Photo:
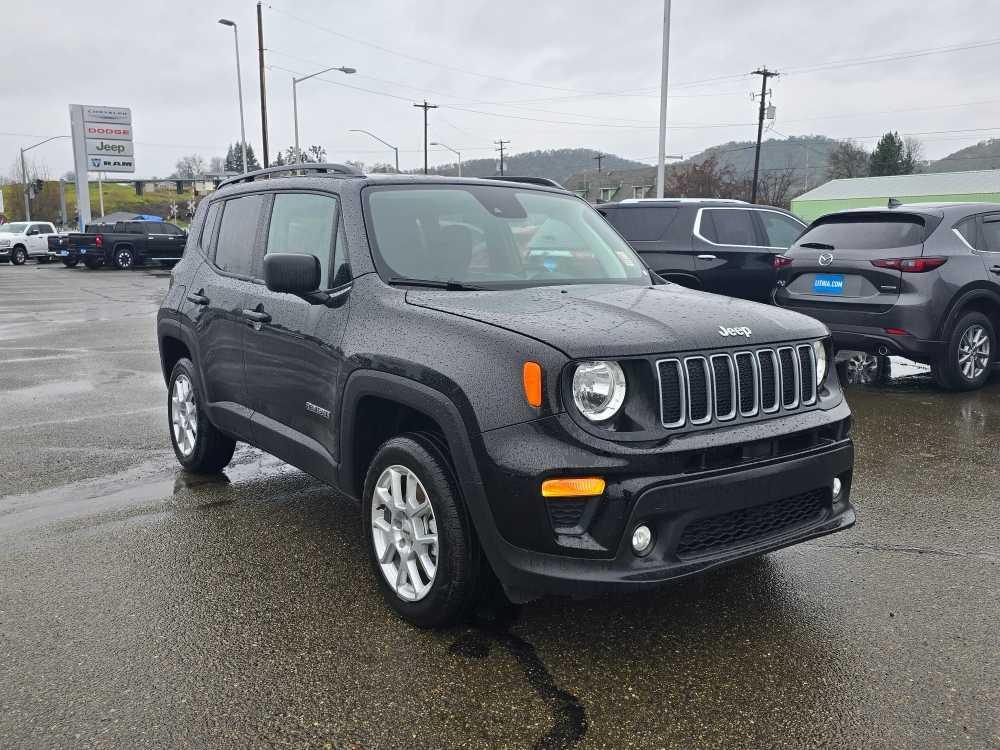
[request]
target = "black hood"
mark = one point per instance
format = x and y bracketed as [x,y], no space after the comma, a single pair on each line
[608,320]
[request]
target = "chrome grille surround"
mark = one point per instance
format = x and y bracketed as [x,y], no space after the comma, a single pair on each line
[786,372]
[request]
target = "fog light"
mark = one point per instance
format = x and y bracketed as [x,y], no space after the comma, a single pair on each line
[837,487]
[642,540]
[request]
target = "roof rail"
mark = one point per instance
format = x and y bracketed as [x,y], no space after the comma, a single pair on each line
[344,169]
[528,180]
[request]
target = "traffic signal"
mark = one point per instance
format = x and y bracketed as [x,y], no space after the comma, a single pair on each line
[39,184]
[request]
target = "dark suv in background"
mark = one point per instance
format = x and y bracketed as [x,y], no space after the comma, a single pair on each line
[917,280]
[722,246]
[502,383]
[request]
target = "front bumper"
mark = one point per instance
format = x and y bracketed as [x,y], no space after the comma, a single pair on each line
[728,509]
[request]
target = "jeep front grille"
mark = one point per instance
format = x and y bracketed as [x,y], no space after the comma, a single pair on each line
[699,390]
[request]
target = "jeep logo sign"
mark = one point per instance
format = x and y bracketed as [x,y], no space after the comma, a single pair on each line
[741,331]
[104,147]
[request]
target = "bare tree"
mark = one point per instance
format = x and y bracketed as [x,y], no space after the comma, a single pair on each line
[217,165]
[189,167]
[914,153]
[382,167]
[847,159]
[706,179]
[774,187]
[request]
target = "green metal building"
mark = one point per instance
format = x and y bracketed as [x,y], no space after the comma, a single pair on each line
[870,192]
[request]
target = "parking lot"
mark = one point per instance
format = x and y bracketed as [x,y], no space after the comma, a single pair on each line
[144,607]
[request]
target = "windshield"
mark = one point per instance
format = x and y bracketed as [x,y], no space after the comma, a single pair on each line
[16,227]
[494,237]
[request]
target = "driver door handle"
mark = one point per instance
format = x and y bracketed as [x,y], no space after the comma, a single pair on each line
[257,316]
[995,269]
[198,298]
[707,256]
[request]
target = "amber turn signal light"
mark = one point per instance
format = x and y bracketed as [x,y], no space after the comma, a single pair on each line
[573,487]
[531,376]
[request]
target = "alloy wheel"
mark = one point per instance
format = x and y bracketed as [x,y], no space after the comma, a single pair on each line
[404,531]
[124,259]
[974,352]
[184,415]
[862,369]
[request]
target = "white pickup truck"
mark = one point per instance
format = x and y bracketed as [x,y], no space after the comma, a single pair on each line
[20,240]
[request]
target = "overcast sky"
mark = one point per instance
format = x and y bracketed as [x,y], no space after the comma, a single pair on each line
[524,71]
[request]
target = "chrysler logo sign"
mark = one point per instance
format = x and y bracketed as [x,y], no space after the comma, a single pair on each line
[826,259]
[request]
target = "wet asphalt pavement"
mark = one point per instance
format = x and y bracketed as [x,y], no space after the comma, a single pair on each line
[141,607]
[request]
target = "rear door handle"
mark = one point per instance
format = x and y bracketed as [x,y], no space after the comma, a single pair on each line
[198,298]
[257,316]
[995,269]
[707,257]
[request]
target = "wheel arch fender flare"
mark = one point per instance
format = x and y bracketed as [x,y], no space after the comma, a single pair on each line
[967,296]
[434,405]
[172,328]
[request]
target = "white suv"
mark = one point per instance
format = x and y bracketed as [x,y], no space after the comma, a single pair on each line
[21,240]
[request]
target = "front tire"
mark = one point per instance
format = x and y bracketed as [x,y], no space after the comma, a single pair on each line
[198,445]
[93,263]
[18,255]
[70,262]
[421,544]
[969,354]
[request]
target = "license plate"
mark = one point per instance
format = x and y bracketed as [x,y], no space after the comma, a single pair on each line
[828,284]
[64,252]
[83,251]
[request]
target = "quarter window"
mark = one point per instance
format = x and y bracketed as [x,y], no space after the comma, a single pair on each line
[237,232]
[303,223]
[208,227]
[781,230]
[968,231]
[991,233]
[728,226]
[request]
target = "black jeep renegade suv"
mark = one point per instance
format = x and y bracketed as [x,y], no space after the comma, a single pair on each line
[497,376]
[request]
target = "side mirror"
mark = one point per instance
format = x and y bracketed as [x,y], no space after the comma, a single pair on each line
[292,273]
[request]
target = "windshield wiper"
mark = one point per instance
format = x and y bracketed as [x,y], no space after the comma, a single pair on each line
[817,245]
[451,285]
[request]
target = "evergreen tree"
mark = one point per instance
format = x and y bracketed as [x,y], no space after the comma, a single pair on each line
[234,158]
[892,156]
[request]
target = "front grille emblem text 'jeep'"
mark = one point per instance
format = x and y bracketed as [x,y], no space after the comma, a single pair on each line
[741,331]
[826,259]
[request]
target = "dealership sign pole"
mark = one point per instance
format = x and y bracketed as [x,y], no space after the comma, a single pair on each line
[102,142]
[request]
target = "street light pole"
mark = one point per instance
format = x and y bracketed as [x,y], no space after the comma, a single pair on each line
[24,174]
[662,157]
[385,143]
[239,87]
[457,153]
[295,100]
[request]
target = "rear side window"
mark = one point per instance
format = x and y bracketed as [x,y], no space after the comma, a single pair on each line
[208,227]
[171,230]
[781,230]
[970,233]
[646,224]
[237,232]
[991,233]
[867,231]
[728,226]
[303,223]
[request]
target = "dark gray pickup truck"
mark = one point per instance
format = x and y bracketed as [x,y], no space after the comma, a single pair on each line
[126,244]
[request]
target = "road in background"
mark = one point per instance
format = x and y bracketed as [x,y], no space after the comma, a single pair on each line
[140,606]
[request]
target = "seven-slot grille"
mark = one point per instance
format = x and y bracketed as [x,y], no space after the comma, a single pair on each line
[699,390]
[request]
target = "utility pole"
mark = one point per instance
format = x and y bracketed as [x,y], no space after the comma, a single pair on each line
[501,143]
[764,74]
[599,158]
[425,106]
[263,90]
[662,157]
[24,184]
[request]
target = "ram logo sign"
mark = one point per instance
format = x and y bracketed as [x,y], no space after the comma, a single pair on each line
[741,331]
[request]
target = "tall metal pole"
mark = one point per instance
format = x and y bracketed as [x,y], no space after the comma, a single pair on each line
[24,184]
[764,74]
[239,86]
[384,143]
[100,191]
[501,143]
[661,160]
[295,117]
[457,153]
[263,87]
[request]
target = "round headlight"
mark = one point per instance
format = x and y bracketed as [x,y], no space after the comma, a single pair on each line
[820,351]
[598,389]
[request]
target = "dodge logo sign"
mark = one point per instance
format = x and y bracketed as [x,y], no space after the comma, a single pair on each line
[741,331]
[826,259]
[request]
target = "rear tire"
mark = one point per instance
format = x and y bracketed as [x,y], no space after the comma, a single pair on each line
[411,496]
[18,255]
[93,263]
[969,354]
[198,445]
[71,262]
[124,258]
[864,368]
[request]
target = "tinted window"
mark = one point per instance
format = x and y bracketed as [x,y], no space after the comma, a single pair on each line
[781,230]
[303,223]
[969,232]
[208,227]
[237,232]
[866,231]
[646,224]
[153,227]
[991,233]
[728,226]
[171,229]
